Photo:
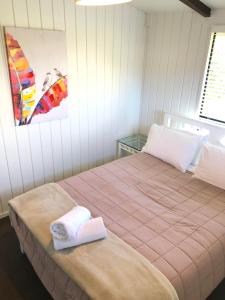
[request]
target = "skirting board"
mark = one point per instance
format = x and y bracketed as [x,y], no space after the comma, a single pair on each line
[5,214]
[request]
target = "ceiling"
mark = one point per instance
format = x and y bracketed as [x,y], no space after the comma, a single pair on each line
[172,5]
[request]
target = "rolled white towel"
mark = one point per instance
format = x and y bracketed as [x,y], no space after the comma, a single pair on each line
[67,226]
[90,231]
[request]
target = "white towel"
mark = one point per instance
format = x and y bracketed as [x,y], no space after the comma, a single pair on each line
[90,231]
[66,227]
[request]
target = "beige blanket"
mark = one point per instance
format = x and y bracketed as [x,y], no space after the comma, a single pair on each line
[108,269]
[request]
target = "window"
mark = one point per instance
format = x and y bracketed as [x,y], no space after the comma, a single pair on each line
[212,105]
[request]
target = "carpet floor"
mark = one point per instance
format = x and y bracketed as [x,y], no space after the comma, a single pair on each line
[18,280]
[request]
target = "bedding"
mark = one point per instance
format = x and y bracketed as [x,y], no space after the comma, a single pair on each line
[93,230]
[177,147]
[108,269]
[55,280]
[211,167]
[175,221]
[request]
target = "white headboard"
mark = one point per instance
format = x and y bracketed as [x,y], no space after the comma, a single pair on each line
[216,132]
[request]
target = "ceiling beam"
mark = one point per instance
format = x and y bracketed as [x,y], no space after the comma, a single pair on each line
[198,6]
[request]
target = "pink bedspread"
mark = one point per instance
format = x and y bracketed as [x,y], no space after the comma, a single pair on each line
[175,221]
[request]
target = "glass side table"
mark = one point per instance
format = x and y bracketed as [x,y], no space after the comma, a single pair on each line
[130,145]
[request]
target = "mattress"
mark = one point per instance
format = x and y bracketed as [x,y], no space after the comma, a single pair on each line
[175,221]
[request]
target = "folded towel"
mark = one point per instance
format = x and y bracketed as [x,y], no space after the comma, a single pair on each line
[90,231]
[66,227]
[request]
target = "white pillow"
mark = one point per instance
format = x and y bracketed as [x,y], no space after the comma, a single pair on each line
[203,135]
[211,167]
[173,146]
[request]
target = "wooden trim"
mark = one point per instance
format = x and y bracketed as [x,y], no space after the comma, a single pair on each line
[217,28]
[198,6]
[3,215]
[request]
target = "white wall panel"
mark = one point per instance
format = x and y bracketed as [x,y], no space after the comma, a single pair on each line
[36,154]
[108,80]
[46,11]
[100,59]
[123,114]
[105,49]
[47,159]
[91,19]
[176,51]
[34,19]
[25,158]
[82,86]
[5,187]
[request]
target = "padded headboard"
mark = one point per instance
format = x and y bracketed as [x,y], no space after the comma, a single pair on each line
[216,132]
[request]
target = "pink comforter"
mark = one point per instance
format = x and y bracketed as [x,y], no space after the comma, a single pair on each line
[175,221]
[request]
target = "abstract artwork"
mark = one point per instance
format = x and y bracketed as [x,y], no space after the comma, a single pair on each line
[37,62]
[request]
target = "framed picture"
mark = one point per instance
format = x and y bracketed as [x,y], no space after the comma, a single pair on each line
[37,62]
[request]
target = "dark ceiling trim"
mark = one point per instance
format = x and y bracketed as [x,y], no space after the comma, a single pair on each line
[198,6]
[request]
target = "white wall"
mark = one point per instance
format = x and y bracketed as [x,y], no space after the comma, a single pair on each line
[105,56]
[177,47]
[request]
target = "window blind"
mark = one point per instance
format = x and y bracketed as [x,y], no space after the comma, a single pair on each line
[212,105]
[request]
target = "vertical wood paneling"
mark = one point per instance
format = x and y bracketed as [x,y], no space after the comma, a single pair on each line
[109,35]
[171,68]
[13,158]
[20,13]
[177,46]
[5,186]
[6,13]
[101,15]
[157,65]
[139,62]
[34,15]
[117,39]
[104,80]
[81,23]
[22,139]
[47,20]
[130,109]
[91,82]
[70,17]
[66,147]
[181,60]
[146,113]
[57,152]
[167,44]
[189,71]
[123,73]
[58,14]
[47,153]
[36,153]
[136,62]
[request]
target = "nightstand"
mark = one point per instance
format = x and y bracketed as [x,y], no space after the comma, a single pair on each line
[130,145]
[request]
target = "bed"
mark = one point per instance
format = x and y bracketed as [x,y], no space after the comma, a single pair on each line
[175,221]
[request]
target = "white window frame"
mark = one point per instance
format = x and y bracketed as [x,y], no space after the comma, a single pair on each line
[214,28]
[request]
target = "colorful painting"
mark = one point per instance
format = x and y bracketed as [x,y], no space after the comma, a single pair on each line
[38,74]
